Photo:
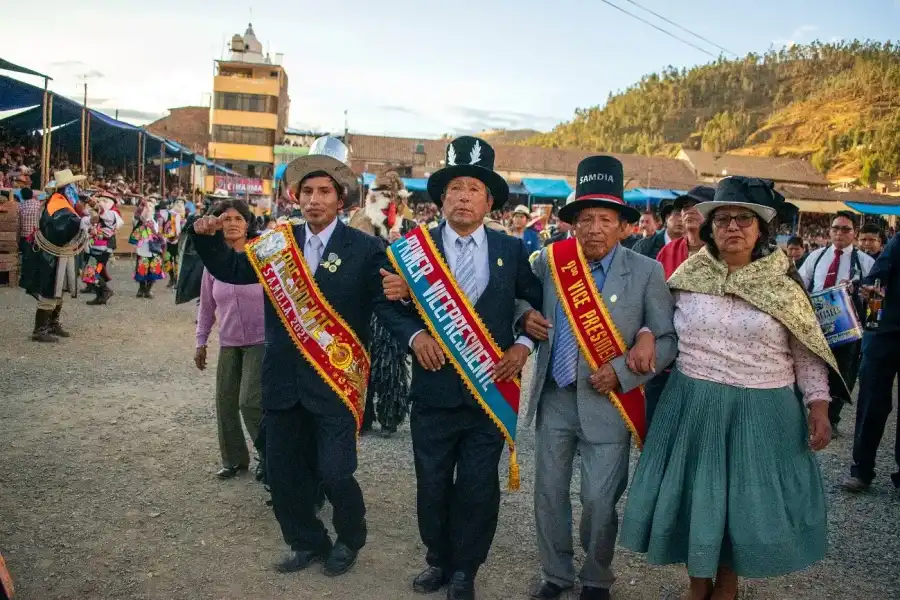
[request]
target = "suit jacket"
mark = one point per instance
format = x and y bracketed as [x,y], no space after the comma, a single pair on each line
[510,278]
[642,300]
[651,246]
[887,270]
[354,290]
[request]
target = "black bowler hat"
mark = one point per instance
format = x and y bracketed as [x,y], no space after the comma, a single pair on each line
[696,195]
[758,195]
[469,156]
[600,183]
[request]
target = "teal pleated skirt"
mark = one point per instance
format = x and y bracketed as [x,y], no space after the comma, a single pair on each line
[727,478]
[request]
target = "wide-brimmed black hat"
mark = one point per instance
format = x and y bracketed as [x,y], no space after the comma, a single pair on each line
[753,193]
[469,156]
[600,183]
[695,195]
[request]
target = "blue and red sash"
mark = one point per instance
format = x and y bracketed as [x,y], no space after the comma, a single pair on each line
[454,324]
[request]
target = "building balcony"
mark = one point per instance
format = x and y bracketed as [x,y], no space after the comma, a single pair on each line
[245,85]
[241,118]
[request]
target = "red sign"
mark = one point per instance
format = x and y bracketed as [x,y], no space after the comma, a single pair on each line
[237,186]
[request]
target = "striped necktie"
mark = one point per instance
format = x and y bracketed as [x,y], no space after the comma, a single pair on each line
[465,267]
[565,346]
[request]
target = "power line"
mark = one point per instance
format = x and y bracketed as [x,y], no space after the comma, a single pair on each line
[658,28]
[697,35]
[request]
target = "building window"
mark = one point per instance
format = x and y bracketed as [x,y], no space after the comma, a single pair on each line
[251,169]
[254,136]
[246,102]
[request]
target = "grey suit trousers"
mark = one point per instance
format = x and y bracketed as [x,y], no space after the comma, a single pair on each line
[604,476]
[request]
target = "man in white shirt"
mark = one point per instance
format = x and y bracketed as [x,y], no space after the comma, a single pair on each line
[838,263]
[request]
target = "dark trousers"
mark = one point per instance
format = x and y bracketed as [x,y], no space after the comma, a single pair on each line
[880,366]
[847,357]
[457,518]
[302,450]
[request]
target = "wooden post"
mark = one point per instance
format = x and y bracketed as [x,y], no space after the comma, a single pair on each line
[49,135]
[45,150]
[83,132]
[180,165]
[140,163]
[162,169]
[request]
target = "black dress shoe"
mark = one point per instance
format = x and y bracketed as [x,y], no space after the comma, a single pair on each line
[340,559]
[461,587]
[547,590]
[229,472]
[594,593]
[260,471]
[297,560]
[430,580]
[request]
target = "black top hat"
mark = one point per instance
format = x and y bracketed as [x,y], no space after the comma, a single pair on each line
[696,195]
[469,156]
[600,183]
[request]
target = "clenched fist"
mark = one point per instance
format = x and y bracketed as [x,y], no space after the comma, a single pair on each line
[395,287]
[208,225]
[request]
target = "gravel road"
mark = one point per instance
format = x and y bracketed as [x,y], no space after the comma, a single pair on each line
[107,454]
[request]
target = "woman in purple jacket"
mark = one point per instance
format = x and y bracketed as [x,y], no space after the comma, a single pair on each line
[239,311]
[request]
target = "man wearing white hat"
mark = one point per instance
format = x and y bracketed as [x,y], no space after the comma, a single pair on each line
[48,269]
[521,230]
[322,283]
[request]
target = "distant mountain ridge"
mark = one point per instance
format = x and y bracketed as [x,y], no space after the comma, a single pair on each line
[837,105]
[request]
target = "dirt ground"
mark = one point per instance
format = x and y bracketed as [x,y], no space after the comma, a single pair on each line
[107,454]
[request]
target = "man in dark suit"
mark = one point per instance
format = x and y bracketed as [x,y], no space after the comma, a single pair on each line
[450,431]
[310,435]
[879,369]
[673,230]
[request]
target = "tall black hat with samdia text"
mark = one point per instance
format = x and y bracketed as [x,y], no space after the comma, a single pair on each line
[600,183]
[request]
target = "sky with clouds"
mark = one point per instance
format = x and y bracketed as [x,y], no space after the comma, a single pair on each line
[408,67]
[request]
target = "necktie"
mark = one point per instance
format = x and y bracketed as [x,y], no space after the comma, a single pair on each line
[565,351]
[831,276]
[465,267]
[314,256]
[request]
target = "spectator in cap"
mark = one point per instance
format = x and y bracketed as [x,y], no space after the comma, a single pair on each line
[521,230]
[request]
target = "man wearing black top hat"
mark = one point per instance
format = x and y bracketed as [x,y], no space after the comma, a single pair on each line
[672,230]
[571,403]
[451,433]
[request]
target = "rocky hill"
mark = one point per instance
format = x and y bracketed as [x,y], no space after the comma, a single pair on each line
[835,104]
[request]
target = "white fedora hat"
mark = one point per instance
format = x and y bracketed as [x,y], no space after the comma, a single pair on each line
[65,177]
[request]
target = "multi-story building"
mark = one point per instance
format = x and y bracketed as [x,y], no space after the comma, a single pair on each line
[248,117]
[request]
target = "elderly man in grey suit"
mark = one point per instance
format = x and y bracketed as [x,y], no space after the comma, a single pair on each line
[572,402]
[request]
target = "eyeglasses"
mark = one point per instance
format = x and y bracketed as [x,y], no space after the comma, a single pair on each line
[743,220]
[841,228]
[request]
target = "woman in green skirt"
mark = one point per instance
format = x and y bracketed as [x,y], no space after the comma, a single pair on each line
[728,483]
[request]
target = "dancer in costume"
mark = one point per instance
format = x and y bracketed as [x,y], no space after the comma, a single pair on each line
[103,243]
[171,220]
[322,284]
[48,269]
[387,398]
[149,248]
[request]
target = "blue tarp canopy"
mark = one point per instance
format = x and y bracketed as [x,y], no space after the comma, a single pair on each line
[651,195]
[8,66]
[517,188]
[547,188]
[279,171]
[874,209]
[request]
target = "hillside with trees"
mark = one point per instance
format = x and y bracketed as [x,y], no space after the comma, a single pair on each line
[836,104]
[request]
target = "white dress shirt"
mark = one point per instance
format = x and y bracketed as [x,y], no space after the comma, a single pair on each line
[482,268]
[324,236]
[827,256]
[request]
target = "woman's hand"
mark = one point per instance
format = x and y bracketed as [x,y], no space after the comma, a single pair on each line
[819,425]
[200,358]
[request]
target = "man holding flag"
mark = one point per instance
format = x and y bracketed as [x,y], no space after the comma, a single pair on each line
[609,330]
[458,284]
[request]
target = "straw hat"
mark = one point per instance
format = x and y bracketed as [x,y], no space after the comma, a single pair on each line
[220,193]
[65,177]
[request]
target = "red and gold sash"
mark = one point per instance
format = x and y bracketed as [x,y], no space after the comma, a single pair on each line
[318,331]
[6,583]
[597,336]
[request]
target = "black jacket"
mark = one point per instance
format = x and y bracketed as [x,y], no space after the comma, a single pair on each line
[887,269]
[38,277]
[511,278]
[651,246]
[354,290]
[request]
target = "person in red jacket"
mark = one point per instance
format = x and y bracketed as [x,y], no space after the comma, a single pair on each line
[677,251]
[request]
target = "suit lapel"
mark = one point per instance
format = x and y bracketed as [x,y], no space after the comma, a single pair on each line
[614,286]
[437,235]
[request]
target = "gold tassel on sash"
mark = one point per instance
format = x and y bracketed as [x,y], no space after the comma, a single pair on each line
[514,481]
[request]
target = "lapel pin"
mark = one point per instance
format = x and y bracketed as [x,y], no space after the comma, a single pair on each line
[499,262]
[613,298]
